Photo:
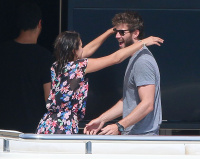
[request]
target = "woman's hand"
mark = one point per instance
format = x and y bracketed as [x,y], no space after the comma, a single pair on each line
[111,31]
[152,40]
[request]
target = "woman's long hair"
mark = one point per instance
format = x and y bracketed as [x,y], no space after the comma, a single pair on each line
[64,48]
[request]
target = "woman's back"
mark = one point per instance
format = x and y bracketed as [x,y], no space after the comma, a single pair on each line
[67,100]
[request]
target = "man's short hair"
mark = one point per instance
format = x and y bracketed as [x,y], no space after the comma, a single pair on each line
[28,16]
[133,20]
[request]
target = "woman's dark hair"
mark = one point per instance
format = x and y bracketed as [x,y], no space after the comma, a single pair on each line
[64,46]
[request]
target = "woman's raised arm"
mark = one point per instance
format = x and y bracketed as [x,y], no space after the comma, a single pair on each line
[97,64]
[91,47]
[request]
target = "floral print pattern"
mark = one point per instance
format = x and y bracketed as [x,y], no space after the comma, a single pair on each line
[66,103]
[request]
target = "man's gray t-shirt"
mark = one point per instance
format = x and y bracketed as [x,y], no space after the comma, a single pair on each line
[142,70]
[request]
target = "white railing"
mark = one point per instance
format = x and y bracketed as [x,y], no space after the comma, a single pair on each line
[100,144]
[109,137]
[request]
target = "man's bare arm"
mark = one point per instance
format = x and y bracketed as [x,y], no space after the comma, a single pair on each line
[95,125]
[146,94]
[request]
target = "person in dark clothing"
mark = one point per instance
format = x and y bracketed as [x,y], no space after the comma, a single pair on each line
[26,76]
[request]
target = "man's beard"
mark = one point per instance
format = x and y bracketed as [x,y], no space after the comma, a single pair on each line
[129,42]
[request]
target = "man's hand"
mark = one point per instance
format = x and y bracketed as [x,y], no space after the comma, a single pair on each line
[93,127]
[110,130]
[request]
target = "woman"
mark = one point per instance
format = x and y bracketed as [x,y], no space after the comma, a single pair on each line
[67,100]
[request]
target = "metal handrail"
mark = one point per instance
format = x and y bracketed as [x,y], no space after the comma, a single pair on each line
[109,137]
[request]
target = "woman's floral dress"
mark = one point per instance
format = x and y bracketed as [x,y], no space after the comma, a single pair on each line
[67,100]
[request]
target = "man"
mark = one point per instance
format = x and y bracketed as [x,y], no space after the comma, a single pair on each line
[141,102]
[26,79]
